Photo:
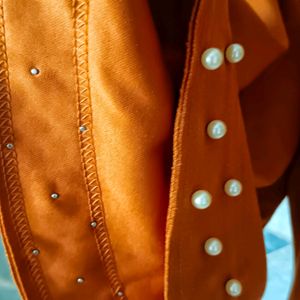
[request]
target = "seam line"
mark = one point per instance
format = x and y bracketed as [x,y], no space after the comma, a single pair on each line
[80,14]
[11,177]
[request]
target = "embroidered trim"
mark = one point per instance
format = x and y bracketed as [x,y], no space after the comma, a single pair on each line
[11,173]
[80,21]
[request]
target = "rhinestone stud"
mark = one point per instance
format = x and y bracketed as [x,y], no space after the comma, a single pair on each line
[93,224]
[34,71]
[36,252]
[82,128]
[9,146]
[120,294]
[54,196]
[80,280]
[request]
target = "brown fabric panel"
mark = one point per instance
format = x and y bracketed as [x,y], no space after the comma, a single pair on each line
[270,197]
[171,18]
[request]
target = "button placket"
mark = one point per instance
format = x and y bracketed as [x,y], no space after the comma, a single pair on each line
[212,59]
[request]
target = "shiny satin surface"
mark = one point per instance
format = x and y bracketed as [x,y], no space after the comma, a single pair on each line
[145,100]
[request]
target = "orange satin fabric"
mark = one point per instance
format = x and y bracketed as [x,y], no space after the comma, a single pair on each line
[119,68]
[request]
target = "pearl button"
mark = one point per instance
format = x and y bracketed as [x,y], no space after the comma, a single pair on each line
[80,280]
[93,224]
[235,53]
[213,246]
[216,129]
[35,252]
[54,196]
[234,288]
[82,128]
[212,58]
[9,146]
[233,188]
[34,71]
[201,199]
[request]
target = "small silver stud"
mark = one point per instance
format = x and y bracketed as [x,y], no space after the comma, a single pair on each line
[82,128]
[9,146]
[54,196]
[93,224]
[120,294]
[34,71]
[80,280]
[36,252]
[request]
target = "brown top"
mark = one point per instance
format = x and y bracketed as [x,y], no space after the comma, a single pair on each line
[145,145]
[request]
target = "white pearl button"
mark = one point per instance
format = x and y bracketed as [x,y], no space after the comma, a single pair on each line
[216,129]
[213,246]
[235,53]
[34,71]
[234,288]
[201,199]
[212,58]
[233,188]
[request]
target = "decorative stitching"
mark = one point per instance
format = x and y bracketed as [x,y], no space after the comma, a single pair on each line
[88,156]
[11,172]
